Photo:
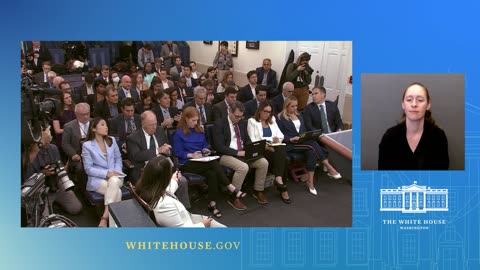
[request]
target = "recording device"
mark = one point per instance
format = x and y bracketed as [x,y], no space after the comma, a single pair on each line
[37,107]
[63,181]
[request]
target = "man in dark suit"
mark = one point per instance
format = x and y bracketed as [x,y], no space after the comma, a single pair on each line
[278,100]
[105,74]
[231,149]
[252,105]
[109,107]
[268,77]
[73,132]
[203,107]
[167,116]
[65,87]
[247,92]
[220,110]
[148,142]
[315,118]
[44,53]
[87,88]
[42,77]
[125,123]
[212,97]
[126,90]
[190,82]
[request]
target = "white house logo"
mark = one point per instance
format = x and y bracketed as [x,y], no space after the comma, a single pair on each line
[414,199]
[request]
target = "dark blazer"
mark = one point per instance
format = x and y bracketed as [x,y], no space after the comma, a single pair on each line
[71,138]
[39,78]
[137,149]
[189,90]
[117,127]
[431,152]
[158,112]
[271,78]
[222,136]
[250,108]
[245,94]
[122,96]
[313,121]
[288,129]
[278,103]
[220,110]
[207,107]
[102,110]
[82,92]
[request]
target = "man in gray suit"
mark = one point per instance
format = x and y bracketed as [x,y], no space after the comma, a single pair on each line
[148,142]
[168,53]
[73,132]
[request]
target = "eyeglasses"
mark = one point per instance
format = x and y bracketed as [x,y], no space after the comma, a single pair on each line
[267,112]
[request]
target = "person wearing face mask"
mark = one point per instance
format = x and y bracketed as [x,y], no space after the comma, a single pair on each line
[115,80]
[417,142]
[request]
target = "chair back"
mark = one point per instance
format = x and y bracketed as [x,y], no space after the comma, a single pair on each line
[143,203]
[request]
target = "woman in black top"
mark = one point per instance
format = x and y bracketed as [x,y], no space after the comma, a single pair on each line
[416,143]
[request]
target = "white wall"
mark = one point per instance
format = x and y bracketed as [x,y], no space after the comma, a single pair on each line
[246,60]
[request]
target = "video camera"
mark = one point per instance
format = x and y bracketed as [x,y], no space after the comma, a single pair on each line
[36,109]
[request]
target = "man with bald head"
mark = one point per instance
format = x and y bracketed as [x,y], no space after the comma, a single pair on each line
[126,90]
[148,142]
[287,90]
[57,80]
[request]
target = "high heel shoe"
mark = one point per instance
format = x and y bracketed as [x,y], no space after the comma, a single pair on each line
[335,176]
[215,212]
[313,191]
[282,188]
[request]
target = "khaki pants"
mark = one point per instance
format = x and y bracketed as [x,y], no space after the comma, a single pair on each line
[241,170]
[302,95]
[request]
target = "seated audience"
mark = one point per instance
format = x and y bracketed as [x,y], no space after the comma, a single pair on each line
[174,101]
[220,110]
[189,143]
[292,125]
[262,126]
[148,73]
[157,187]
[203,107]
[252,105]
[230,136]
[127,91]
[103,165]
[268,77]
[247,92]
[67,114]
[148,142]
[110,106]
[167,116]
[287,90]
[146,102]
[322,114]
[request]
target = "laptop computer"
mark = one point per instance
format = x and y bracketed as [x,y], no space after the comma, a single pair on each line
[310,135]
[254,150]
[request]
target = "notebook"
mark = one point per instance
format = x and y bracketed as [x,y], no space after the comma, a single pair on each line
[205,159]
[310,135]
[254,150]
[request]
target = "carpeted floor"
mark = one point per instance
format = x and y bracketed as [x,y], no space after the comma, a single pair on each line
[332,207]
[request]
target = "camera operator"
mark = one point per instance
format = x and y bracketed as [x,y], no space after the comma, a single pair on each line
[300,74]
[42,158]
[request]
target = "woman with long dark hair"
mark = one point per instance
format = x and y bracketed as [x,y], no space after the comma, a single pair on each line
[157,186]
[102,162]
[417,142]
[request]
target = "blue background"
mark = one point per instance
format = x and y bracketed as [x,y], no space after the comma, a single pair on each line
[388,37]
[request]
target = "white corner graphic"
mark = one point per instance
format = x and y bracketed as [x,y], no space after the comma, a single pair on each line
[414,199]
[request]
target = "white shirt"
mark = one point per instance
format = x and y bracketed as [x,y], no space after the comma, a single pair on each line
[233,138]
[297,124]
[165,84]
[147,138]
[253,89]
[324,111]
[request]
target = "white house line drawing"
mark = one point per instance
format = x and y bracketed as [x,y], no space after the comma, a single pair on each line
[414,199]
